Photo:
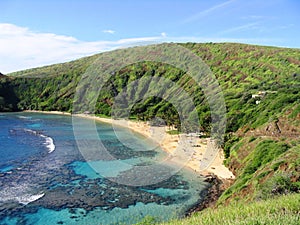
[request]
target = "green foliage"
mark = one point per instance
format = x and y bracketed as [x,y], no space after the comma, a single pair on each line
[8,98]
[281,210]
[253,169]
[278,184]
[229,141]
[295,112]
[252,139]
[265,152]
[173,132]
[148,220]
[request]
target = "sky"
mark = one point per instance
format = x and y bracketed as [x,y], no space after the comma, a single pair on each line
[35,33]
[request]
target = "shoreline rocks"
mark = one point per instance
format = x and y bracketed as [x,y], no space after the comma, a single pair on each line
[210,196]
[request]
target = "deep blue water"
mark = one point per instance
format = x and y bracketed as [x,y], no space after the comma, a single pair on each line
[45,178]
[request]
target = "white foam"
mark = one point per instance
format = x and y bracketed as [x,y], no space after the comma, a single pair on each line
[31,131]
[48,140]
[19,194]
[50,144]
[24,117]
[26,199]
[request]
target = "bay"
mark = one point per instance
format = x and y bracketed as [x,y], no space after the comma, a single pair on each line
[45,178]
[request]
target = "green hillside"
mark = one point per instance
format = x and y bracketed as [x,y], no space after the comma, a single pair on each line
[281,210]
[261,90]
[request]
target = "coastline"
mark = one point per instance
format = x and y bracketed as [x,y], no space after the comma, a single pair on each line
[168,143]
[216,175]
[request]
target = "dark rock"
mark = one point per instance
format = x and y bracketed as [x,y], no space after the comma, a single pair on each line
[209,196]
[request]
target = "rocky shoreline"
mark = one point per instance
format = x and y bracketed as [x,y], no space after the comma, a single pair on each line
[210,196]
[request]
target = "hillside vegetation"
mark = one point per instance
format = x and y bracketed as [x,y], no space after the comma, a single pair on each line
[282,210]
[261,90]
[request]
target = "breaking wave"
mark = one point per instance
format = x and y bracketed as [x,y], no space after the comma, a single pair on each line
[49,143]
[26,199]
[19,194]
[48,140]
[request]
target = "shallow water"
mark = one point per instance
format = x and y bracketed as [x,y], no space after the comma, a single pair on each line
[45,178]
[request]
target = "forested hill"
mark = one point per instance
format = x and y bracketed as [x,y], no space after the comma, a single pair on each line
[261,90]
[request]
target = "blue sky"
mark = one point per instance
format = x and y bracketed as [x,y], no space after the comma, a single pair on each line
[35,32]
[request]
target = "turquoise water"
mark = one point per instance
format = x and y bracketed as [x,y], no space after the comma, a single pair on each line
[6,169]
[45,177]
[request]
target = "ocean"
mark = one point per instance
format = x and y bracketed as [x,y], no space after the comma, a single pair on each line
[47,177]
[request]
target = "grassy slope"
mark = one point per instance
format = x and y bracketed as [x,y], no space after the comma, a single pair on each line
[281,210]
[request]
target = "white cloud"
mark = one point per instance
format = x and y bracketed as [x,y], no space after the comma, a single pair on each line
[245,27]
[109,31]
[163,34]
[22,48]
[256,26]
[252,17]
[207,12]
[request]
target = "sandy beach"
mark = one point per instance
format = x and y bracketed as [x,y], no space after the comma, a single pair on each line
[187,150]
[179,153]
